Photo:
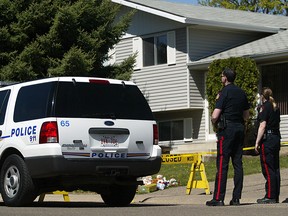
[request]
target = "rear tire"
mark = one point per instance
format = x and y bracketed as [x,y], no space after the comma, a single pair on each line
[16,185]
[119,195]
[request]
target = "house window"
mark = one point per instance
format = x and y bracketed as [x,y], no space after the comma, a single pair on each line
[171,130]
[275,77]
[176,130]
[155,50]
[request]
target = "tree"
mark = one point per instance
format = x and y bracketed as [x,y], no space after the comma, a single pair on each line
[261,6]
[43,38]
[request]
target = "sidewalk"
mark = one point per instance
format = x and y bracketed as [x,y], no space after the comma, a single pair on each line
[252,190]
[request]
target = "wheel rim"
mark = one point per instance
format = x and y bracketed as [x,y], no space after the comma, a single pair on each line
[12,181]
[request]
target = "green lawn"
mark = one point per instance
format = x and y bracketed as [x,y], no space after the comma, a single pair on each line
[181,172]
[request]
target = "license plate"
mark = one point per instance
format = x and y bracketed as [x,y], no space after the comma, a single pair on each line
[109,141]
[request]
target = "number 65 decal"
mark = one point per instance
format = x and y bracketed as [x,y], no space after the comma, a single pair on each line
[65,123]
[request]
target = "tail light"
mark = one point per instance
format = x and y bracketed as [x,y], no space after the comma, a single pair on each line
[49,132]
[155,134]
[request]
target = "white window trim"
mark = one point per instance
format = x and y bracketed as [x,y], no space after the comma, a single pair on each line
[138,50]
[171,48]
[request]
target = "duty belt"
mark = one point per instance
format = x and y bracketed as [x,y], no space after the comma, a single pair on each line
[229,122]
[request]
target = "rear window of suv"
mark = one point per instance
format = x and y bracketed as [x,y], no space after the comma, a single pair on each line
[94,100]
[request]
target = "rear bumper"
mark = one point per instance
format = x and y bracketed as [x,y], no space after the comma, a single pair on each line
[51,166]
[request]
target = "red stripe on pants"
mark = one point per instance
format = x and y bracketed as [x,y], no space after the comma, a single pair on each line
[220,167]
[267,172]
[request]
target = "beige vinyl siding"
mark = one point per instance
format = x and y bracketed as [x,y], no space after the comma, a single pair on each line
[204,43]
[197,89]
[198,117]
[164,91]
[123,50]
[284,128]
[165,86]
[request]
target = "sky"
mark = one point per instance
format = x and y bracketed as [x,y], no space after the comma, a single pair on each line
[184,1]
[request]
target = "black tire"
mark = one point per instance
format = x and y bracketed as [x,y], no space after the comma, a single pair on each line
[17,188]
[119,195]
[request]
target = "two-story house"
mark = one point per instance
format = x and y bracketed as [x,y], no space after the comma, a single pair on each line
[175,43]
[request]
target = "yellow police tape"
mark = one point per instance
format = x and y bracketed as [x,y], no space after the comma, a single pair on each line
[192,158]
[179,158]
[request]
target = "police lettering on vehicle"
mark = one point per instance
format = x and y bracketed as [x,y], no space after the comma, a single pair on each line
[23,131]
[108,155]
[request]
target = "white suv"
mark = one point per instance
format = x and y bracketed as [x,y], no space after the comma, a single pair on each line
[74,133]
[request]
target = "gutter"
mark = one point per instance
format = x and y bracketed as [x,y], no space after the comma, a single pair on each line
[259,58]
[280,54]
[233,25]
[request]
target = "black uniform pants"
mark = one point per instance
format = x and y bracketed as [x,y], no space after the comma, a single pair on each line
[269,157]
[229,144]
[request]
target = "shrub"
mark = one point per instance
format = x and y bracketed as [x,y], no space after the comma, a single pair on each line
[247,78]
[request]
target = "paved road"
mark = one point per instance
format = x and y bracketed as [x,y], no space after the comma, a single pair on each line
[172,201]
[95,209]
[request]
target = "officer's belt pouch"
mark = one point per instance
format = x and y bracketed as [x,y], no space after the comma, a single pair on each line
[221,123]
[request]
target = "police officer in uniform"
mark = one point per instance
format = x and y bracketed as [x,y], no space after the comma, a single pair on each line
[268,145]
[231,110]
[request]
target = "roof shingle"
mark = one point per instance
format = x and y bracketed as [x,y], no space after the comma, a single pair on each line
[197,14]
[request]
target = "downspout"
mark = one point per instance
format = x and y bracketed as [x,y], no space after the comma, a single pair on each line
[188,70]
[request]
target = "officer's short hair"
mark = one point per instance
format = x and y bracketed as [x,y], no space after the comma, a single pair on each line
[230,74]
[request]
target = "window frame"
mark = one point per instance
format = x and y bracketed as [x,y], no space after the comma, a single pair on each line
[152,50]
[138,48]
[187,130]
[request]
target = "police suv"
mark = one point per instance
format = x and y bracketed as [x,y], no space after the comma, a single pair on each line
[71,133]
